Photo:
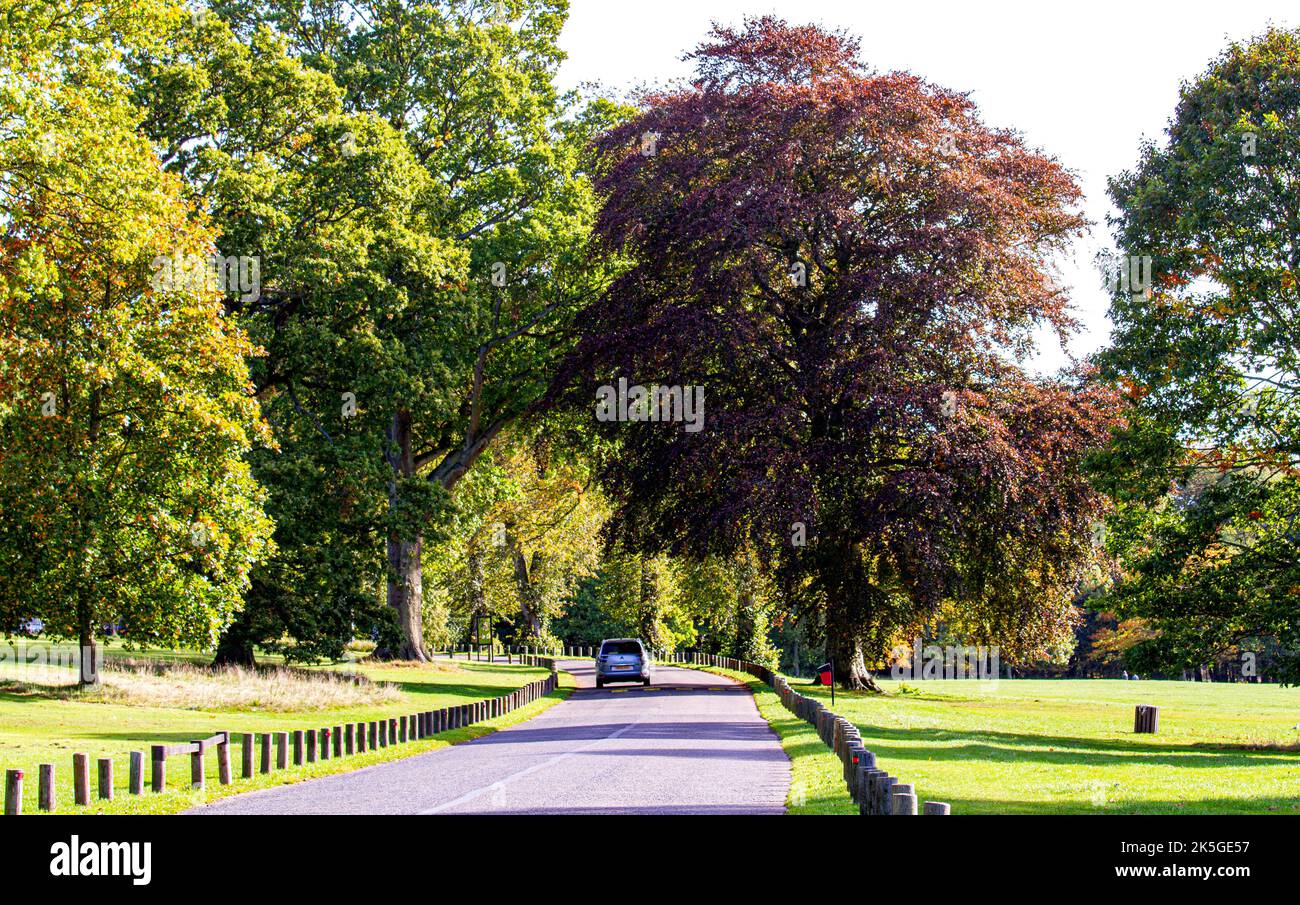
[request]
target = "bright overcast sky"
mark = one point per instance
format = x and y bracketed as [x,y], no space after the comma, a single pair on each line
[1084,83]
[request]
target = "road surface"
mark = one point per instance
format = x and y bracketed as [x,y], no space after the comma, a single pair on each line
[692,743]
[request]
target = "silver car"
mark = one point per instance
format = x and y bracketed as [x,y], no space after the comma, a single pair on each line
[623,660]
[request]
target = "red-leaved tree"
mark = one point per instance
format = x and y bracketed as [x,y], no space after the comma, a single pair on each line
[849,264]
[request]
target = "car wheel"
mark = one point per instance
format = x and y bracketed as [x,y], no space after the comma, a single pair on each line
[645,682]
[600,683]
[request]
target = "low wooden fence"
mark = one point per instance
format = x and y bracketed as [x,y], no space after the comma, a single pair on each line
[268,752]
[874,790]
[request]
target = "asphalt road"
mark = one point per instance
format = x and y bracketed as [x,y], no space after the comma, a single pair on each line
[692,743]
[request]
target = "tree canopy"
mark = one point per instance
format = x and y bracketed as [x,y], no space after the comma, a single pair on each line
[414,182]
[1208,530]
[125,406]
[847,262]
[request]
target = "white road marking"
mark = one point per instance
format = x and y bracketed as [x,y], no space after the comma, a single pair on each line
[499,785]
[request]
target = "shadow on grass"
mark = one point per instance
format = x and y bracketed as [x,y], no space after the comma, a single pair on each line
[1289,804]
[1016,747]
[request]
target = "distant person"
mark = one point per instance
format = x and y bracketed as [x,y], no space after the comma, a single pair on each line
[1126,675]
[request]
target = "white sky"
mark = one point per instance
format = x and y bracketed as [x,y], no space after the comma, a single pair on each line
[1084,84]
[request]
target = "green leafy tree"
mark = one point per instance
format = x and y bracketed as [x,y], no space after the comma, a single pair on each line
[641,595]
[125,409]
[428,237]
[331,203]
[731,602]
[530,526]
[1208,526]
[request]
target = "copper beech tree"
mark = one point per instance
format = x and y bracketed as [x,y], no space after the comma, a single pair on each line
[851,265]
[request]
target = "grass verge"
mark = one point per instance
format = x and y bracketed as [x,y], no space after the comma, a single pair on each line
[49,726]
[176,800]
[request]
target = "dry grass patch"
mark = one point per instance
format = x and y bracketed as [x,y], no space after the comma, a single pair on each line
[192,687]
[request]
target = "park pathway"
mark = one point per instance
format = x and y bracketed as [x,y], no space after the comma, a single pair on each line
[692,743]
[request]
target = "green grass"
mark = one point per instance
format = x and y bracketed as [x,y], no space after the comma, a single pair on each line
[816,778]
[1068,747]
[38,728]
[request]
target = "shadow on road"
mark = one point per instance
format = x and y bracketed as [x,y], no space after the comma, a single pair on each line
[715,731]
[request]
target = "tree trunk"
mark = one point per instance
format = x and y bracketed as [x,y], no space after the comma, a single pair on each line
[235,648]
[526,586]
[405,572]
[88,654]
[406,594]
[477,596]
[845,650]
[649,609]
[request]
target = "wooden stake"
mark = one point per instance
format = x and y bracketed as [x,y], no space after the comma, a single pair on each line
[13,793]
[45,791]
[81,779]
[106,779]
[135,778]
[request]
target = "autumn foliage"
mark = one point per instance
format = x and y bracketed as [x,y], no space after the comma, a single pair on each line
[849,262]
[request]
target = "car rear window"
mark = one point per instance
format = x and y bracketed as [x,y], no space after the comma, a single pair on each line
[620,647]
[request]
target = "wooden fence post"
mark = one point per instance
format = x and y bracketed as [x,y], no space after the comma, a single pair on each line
[281,750]
[81,779]
[297,748]
[324,743]
[867,790]
[1146,718]
[158,767]
[223,759]
[198,766]
[246,763]
[349,738]
[311,746]
[45,791]
[338,741]
[937,807]
[383,733]
[884,794]
[904,804]
[903,800]
[106,779]
[13,793]
[136,778]
[264,765]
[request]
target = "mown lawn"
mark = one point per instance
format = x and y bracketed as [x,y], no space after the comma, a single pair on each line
[1067,746]
[49,727]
